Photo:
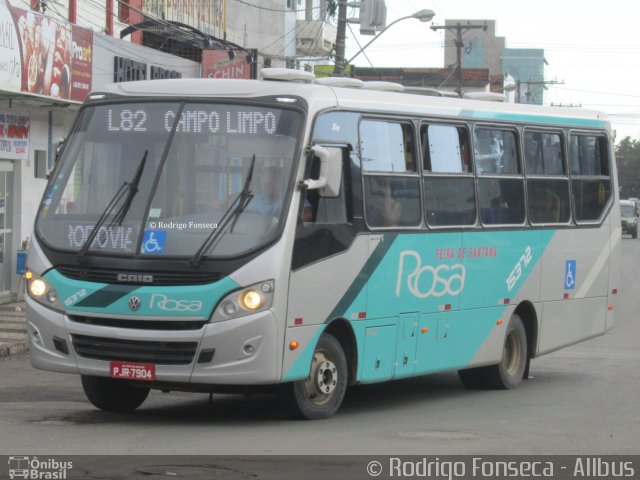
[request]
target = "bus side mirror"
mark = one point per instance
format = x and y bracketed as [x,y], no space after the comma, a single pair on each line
[330,176]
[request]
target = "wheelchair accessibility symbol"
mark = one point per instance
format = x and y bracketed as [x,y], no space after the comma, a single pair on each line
[570,275]
[153,241]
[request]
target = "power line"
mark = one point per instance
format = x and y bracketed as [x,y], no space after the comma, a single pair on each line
[460,29]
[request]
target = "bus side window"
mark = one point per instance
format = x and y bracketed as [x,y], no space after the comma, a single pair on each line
[590,177]
[547,179]
[500,180]
[448,180]
[390,174]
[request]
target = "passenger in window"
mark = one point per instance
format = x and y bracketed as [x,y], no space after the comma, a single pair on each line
[547,207]
[383,210]
[268,197]
[489,151]
[307,211]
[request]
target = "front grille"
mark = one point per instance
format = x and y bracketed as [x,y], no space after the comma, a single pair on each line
[105,275]
[140,324]
[160,353]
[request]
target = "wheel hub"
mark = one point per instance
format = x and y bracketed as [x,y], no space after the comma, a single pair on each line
[326,377]
[512,352]
[323,379]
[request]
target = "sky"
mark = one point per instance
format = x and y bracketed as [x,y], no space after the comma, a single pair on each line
[593,48]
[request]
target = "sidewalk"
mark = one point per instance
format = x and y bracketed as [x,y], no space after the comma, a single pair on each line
[13,329]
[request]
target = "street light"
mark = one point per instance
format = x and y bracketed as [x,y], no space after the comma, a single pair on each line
[424,15]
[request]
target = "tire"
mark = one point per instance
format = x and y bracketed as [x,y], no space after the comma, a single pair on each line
[473,378]
[634,234]
[508,374]
[321,394]
[113,395]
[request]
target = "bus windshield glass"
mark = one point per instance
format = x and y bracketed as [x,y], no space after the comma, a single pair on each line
[156,178]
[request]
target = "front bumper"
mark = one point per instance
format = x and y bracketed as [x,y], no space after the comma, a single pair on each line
[235,352]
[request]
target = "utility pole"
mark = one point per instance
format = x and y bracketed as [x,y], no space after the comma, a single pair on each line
[459,43]
[341,35]
[529,83]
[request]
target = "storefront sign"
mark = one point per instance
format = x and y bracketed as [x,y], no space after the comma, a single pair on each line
[14,135]
[43,56]
[228,64]
[127,70]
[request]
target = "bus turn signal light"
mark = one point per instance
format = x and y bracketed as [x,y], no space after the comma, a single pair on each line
[293,345]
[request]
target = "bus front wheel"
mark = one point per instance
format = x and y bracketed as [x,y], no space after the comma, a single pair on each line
[113,395]
[321,394]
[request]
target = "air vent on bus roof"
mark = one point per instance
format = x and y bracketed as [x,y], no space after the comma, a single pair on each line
[488,96]
[383,86]
[287,75]
[430,92]
[347,82]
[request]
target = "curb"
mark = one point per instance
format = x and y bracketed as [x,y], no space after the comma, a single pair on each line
[9,349]
[13,329]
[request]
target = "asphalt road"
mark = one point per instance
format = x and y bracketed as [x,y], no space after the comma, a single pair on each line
[581,400]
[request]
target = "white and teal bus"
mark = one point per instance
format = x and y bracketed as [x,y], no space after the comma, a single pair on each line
[302,237]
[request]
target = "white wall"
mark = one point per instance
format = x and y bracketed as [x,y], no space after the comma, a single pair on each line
[271,32]
[28,190]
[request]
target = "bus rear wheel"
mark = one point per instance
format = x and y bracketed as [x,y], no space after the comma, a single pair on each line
[507,374]
[321,394]
[113,395]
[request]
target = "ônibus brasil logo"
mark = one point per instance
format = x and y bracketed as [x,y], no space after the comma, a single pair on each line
[40,469]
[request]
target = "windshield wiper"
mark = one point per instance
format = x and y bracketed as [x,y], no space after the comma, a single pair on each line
[232,213]
[128,188]
[133,189]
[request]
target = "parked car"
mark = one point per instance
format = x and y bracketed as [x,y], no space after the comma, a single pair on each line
[629,217]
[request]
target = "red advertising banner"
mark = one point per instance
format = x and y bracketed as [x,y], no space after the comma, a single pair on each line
[56,56]
[222,64]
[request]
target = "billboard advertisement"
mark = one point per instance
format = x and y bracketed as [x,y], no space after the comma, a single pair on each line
[10,63]
[45,56]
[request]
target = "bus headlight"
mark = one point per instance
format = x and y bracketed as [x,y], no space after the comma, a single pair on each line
[37,287]
[251,300]
[254,298]
[40,290]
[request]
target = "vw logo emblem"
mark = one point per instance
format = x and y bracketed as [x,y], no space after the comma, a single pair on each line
[134,303]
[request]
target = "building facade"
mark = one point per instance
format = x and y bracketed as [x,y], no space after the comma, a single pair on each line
[484,49]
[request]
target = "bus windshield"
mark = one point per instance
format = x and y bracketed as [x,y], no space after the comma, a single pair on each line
[156,178]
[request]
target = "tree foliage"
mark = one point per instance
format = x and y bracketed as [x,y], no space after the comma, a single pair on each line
[628,161]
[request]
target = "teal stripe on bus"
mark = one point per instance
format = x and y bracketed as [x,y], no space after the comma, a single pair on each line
[535,119]
[455,279]
[79,296]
